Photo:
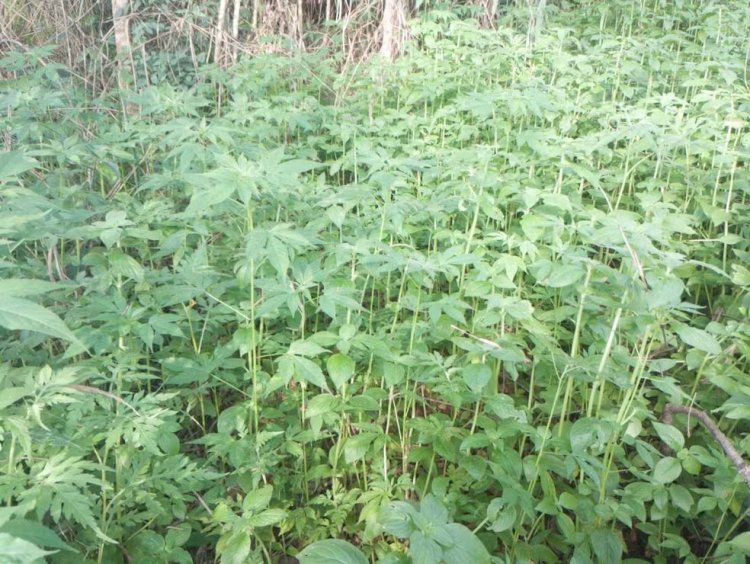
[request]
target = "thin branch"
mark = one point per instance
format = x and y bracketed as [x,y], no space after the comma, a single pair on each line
[97,391]
[742,467]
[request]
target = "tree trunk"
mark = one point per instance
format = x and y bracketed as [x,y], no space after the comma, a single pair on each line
[489,13]
[300,28]
[220,31]
[393,26]
[122,38]
[236,27]
[536,21]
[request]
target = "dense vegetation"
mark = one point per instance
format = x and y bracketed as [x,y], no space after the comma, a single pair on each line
[434,310]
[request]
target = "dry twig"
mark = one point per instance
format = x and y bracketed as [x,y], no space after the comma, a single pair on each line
[742,467]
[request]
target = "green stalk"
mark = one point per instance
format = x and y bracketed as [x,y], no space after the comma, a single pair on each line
[574,349]
[600,381]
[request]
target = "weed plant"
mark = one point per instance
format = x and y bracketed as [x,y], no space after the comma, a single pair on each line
[428,312]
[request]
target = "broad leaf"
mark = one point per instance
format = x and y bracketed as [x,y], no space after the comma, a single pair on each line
[331,551]
[23,315]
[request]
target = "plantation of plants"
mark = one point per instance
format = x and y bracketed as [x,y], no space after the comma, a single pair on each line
[480,304]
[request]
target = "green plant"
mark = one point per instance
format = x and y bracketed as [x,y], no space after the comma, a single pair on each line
[264,314]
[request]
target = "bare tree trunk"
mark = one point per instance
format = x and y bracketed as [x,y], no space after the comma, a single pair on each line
[122,38]
[393,26]
[220,31]
[536,20]
[300,31]
[256,14]
[489,13]
[236,27]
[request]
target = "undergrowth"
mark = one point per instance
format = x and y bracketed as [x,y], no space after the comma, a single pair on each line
[432,310]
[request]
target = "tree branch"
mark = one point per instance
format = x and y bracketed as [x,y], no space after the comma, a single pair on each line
[742,467]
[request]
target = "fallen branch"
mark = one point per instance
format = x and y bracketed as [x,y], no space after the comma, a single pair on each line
[97,391]
[743,469]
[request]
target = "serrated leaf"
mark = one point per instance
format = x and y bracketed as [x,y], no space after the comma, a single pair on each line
[331,551]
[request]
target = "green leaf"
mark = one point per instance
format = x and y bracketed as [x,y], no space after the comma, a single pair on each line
[356,447]
[177,535]
[396,519]
[423,549]
[146,543]
[125,265]
[476,376]
[566,525]
[266,518]
[698,339]
[13,163]
[681,497]
[14,550]
[258,499]
[466,549]
[434,511]
[9,396]
[321,405]
[664,293]
[210,189]
[307,371]
[297,166]
[504,520]
[607,545]
[306,348]
[234,547]
[671,436]
[589,432]
[24,315]
[21,287]
[557,275]
[35,533]
[331,551]
[741,543]
[740,275]
[667,470]
[340,369]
